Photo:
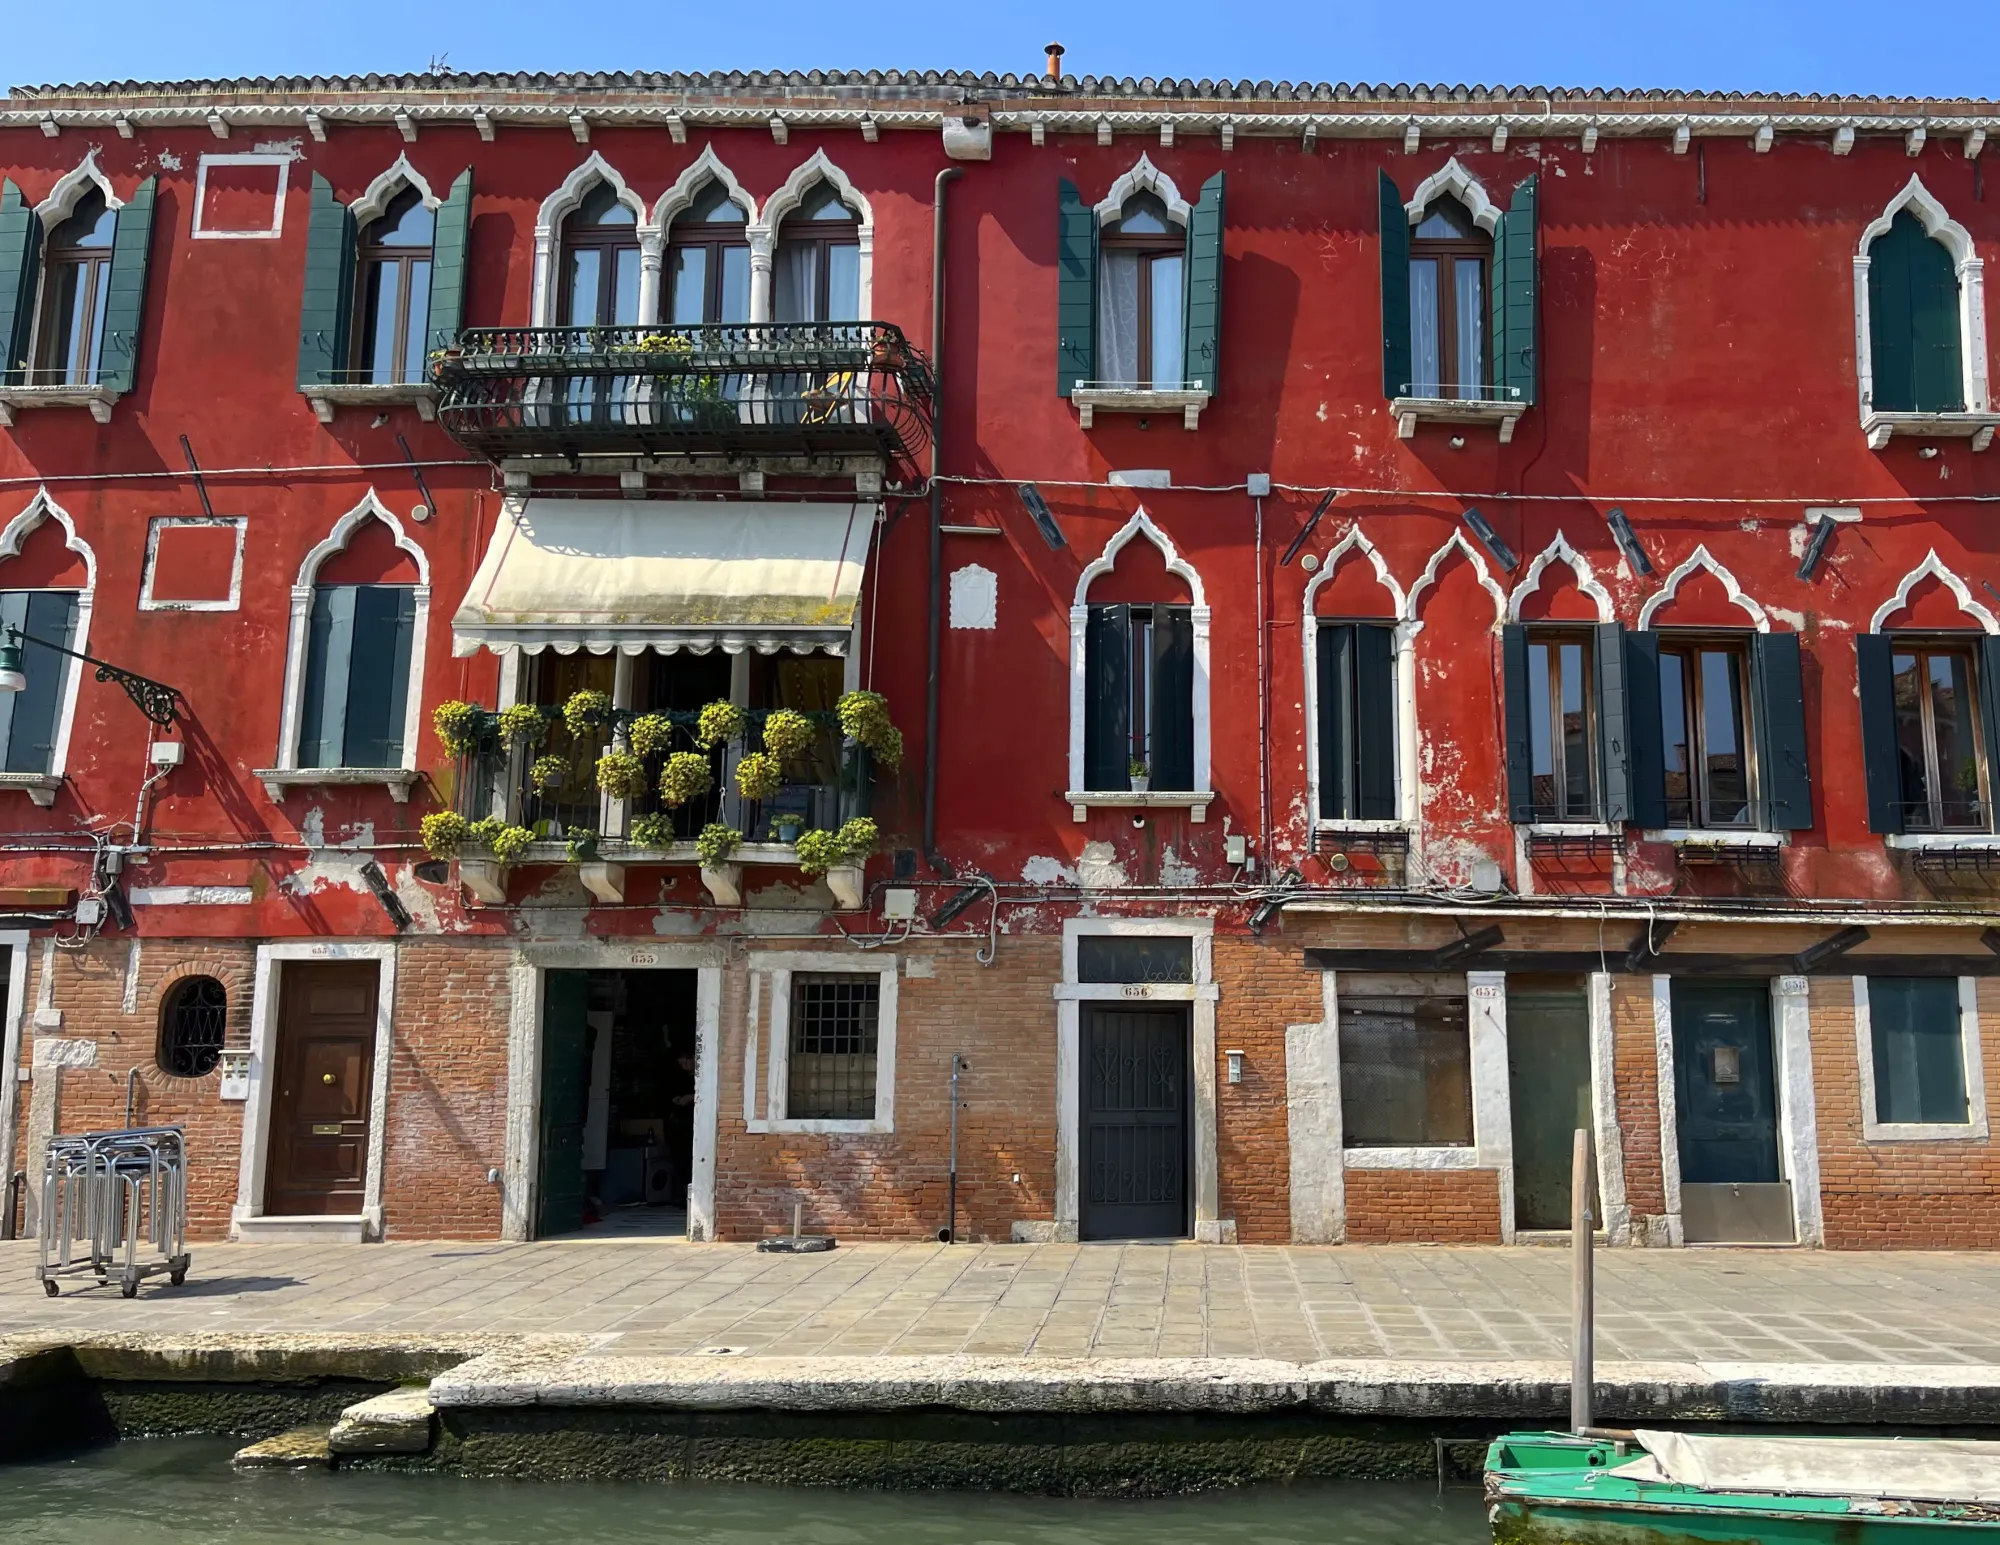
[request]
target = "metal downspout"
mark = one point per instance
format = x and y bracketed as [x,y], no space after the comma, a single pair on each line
[936,620]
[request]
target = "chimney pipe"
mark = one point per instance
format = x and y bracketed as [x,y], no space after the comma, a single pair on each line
[1055,51]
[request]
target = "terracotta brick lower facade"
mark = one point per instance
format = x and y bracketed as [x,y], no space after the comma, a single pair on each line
[458,1134]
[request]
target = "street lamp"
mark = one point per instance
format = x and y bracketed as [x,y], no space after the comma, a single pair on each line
[157,701]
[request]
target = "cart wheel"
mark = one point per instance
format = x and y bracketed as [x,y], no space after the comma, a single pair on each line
[128,1287]
[50,1286]
[178,1277]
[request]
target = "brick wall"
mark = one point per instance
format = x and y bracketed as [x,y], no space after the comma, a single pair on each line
[1636,1084]
[1265,987]
[1440,1207]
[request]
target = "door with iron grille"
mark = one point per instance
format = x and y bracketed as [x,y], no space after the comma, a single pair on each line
[1135,1122]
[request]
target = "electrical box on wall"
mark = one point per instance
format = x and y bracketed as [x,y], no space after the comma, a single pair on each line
[899,904]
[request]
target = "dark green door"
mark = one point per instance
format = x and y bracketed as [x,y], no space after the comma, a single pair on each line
[1725,1098]
[1548,1080]
[565,1088]
[1135,1097]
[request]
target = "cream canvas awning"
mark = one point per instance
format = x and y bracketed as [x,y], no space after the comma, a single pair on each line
[695,574]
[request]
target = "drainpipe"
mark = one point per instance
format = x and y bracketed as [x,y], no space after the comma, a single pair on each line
[932,684]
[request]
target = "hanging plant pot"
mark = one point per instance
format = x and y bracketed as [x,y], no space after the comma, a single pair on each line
[846,881]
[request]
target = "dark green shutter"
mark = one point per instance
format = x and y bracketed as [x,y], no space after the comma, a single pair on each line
[1514,687]
[1171,754]
[1918,1050]
[125,302]
[378,676]
[1334,648]
[1881,758]
[34,720]
[1644,741]
[1076,289]
[1375,721]
[1202,361]
[20,253]
[1614,724]
[450,249]
[329,654]
[1913,334]
[1395,290]
[1989,709]
[1513,298]
[328,296]
[1778,706]
[1107,697]
[564,1106]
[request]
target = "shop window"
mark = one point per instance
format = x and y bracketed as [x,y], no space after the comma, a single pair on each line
[30,719]
[1405,1072]
[193,1017]
[1918,1046]
[357,680]
[1355,699]
[1139,696]
[831,1062]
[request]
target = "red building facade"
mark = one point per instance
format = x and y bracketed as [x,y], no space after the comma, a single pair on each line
[1416,622]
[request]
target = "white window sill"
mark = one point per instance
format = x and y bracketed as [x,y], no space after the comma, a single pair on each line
[1363,828]
[368,394]
[1093,397]
[40,787]
[98,399]
[1881,428]
[1569,829]
[1453,1157]
[397,780]
[1412,411]
[823,1128]
[1194,801]
[1923,1132]
[1971,842]
[1721,837]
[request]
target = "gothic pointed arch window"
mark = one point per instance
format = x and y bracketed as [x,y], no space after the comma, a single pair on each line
[1451,260]
[1913,321]
[817,273]
[600,262]
[392,316]
[708,261]
[76,290]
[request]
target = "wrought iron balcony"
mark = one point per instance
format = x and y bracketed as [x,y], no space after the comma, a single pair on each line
[769,388]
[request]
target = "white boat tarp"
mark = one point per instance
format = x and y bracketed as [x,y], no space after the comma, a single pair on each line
[1902,1469]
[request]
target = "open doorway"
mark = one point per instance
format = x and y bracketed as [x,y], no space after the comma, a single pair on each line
[617,1109]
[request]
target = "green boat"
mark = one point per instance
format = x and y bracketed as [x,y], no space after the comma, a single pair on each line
[1663,1488]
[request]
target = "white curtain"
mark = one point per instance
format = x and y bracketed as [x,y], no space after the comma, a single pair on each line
[1471,312]
[1424,327]
[1118,319]
[794,282]
[1166,275]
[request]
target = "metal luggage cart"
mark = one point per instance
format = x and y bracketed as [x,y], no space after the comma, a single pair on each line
[115,1201]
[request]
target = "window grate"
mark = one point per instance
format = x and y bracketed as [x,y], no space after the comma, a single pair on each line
[192,1023]
[835,1020]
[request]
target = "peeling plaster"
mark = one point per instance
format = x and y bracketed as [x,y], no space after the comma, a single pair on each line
[1174,872]
[1099,869]
[168,161]
[677,922]
[1042,870]
[295,148]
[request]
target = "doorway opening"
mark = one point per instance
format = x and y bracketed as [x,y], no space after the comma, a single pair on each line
[1137,1069]
[616,1134]
[1548,1079]
[1733,1190]
[317,1158]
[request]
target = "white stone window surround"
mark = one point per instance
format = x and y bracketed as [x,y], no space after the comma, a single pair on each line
[767,230]
[1970,271]
[1081,799]
[257,1108]
[526,982]
[1972,1060]
[1702,559]
[239,524]
[41,787]
[281,160]
[1406,630]
[15,941]
[286,771]
[771,973]
[1798,1110]
[1933,567]
[1070,996]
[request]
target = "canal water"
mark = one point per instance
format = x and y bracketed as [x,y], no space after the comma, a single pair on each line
[183,1492]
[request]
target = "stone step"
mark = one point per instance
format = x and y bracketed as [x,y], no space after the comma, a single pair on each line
[303,1448]
[399,1422]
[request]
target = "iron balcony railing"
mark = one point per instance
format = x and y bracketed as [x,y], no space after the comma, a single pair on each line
[775,388]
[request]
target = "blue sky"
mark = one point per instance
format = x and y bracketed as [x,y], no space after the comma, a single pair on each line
[1835,46]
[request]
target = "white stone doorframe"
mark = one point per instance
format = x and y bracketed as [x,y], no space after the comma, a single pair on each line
[1070,996]
[1798,1119]
[15,942]
[257,1107]
[525,981]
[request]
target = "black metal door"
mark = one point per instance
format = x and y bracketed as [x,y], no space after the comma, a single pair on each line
[1135,1100]
[1725,1097]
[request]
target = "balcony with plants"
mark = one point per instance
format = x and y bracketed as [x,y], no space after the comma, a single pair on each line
[607,788]
[810,389]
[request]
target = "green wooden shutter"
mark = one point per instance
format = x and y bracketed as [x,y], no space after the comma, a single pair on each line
[1334,711]
[1913,333]
[1395,290]
[1171,754]
[1076,289]
[1881,758]
[20,258]
[564,1104]
[1202,358]
[1989,710]
[125,300]
[1107,697]
[1513,298]
[1778,704]
[36,711]
[327,299]
[378,676]
[1614,725]
[329,656]
[1514,687]
[1375,721]
[450,249]
[1644,741]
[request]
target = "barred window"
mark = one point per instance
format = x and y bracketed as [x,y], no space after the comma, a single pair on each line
[191,1026]
[1405,1072]
[834,1026]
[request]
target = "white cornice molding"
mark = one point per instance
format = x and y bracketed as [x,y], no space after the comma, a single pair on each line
[1355,542]
[1937,223]
[788,197]
[71,187]
[706,167]
[38,509]
[370,508]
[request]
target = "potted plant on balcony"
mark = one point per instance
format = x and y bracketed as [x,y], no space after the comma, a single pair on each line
[686,776]
[718,724]
[1141,776]
[716,847]
[841,857]
[621,775]
[864,719]
[485,850]
[652,831]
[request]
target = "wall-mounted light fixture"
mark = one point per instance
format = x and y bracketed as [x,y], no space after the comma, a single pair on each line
[1628,541]
[157,701]
[1045,522]
[1490,540]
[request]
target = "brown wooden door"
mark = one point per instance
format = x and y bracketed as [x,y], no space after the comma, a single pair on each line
[326,1065]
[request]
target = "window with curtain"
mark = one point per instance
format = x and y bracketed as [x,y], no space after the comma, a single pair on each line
[1913,322]
[1142,261]
[30,719]
[357,684]
[1938,736]
[1405,1071]
[816,274]
[600,287]
[1561,729]
[76,289]
[1450,258]
[1703,693]
[1356,699]
[1139,696]
[1919,1049]
[395,292]
[708,262]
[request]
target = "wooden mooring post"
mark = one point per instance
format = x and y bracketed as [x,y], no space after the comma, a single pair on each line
[1583,1289]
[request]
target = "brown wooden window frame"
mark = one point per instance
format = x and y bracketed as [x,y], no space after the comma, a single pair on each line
[1926,646]
[689,229]
[580,231]
[1553,638]
[1690,646]
[824,235]
[94,278]
[1448,252]
[1151,247]
[372,254]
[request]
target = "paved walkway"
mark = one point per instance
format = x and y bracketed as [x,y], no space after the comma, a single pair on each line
[1042,1301]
